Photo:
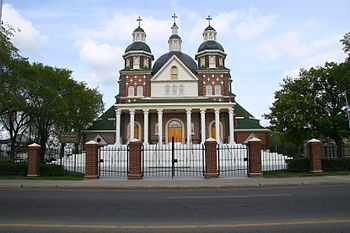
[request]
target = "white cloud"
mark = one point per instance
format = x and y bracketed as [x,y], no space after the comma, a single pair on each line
[254,24]
[103,60]
[27,38]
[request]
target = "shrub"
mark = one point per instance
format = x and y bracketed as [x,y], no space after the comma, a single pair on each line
[298,164]
[336,164]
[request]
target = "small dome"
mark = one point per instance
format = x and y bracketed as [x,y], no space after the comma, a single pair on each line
[174,36]
[209,28]
[187,60]
[138,45]
[139,29]
[210,45]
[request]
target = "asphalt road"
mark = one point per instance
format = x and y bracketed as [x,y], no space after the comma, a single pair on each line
[288,209]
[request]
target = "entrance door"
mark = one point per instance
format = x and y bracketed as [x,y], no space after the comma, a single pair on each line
[213,131]
[175,130]
[136,131]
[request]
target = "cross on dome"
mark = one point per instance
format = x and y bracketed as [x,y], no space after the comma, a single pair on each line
[209,18]
[139,20]
[174,17]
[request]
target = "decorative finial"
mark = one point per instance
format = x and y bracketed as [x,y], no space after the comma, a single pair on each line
[139,20]
[209,18]
[174,17]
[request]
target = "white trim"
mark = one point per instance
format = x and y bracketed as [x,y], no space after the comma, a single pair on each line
[100,131]
[252,130]
[174,57]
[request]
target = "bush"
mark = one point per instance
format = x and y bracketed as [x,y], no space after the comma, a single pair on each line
[336,164]
[298,164]
[9,168]
[57,170]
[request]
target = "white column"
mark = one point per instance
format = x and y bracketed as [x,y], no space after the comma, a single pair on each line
[217,125]
[231,126]
[188,128]
[145,126]
[117,126]
[132,124]
[160,126]
[203,126]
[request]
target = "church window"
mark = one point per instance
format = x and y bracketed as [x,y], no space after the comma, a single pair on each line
[209,90]
[131,91]
[202,62]
[173,73]
[145,62]
[217,90]
[221,62]
[127,63]
[212,62]
[136,63]
[181,90]
[167,90]
[174,90]
[140,91]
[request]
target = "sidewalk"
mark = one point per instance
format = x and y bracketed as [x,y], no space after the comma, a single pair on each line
[243,182]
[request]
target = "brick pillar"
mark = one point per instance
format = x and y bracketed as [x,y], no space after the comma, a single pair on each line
[314,149]
[254,158]
[34,159]
[134,169]
[211,166]
[91,160]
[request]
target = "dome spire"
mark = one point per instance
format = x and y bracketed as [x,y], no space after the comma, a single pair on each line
[139,34]
[174,40]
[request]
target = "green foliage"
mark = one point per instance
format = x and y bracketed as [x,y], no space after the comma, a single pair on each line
[40,100]
[298,164]
[336,164]
[9,168]
[57,170]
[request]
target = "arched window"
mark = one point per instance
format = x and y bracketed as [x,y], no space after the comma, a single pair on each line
[173,73]
[217,90]
[127,65]
[131,91]
[167,90]
[140,91]
[209,90]
[221,62]
[174,90]
[181,90]
[202,61]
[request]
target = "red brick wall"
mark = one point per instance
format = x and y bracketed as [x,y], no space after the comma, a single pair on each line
[240,137]
[211,167]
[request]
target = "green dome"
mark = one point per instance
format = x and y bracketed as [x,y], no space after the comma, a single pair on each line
[210,45]
[138,45]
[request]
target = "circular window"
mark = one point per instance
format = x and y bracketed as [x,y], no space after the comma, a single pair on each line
[98,140]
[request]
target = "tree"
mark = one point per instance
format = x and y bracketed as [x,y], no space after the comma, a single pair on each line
[13,69]
[346,44]
[312,105]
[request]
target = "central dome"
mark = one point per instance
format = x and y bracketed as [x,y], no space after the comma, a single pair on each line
[184,58]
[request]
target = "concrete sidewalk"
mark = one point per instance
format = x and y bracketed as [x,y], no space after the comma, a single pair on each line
[243,182]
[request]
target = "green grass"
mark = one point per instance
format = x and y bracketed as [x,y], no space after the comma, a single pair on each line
[41,177]
[285,174]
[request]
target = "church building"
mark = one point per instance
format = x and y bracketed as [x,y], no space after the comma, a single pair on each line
[176,96]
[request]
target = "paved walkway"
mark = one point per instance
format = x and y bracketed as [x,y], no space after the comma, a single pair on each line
[244,182]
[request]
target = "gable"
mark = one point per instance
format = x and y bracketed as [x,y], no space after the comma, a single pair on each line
[183,73]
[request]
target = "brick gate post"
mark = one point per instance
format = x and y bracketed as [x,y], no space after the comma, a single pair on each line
[254,157]
[34,159]
[314,149]
[134,169]
[91,160]
[211,166]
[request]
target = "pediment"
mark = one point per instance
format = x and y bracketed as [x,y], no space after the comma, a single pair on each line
[164,74]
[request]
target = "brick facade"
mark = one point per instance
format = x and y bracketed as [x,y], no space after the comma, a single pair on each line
[134,169]
[211,166]
[314,149]
[91,160]
[254,158]
[34,160]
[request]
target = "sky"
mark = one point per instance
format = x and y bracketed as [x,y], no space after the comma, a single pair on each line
[265,41]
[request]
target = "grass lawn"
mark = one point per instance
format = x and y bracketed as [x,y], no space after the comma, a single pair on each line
[285,173]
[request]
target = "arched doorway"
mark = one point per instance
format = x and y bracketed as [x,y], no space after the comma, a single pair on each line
[137,131]
[175,130]
[212,128]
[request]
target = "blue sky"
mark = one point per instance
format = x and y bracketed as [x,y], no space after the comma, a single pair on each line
[264,40]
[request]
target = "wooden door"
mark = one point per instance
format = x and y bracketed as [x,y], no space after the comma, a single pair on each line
[175,130]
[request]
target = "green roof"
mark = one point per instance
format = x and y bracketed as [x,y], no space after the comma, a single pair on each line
[110,113]
[101,124]
[247,123]
[241,112]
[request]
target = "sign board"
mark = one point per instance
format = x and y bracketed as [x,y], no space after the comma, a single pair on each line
[68,137]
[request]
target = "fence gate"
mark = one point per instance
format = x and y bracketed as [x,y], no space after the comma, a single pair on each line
[232,160]
[172,160]
[113,161]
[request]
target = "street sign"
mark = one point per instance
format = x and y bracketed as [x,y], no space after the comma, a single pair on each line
[68,137]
